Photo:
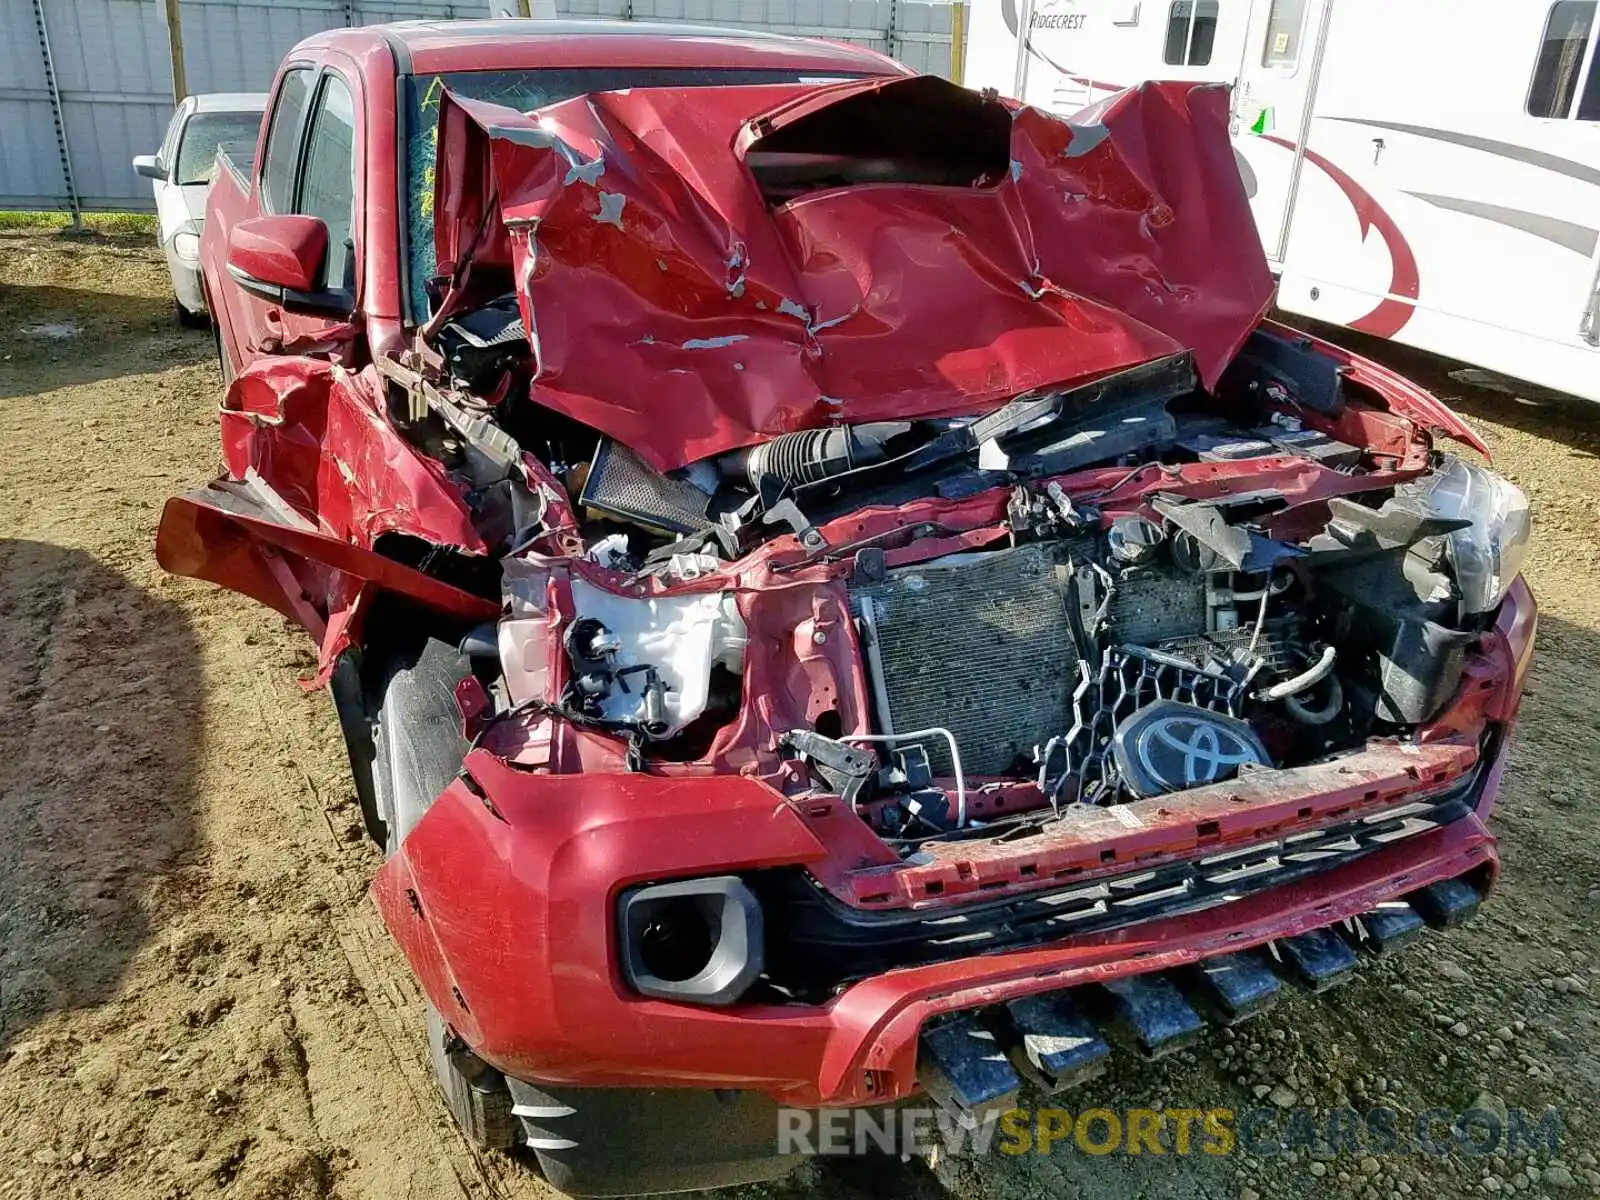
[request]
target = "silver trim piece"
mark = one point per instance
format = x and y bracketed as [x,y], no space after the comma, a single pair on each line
[1569,235]
[880,689]
[1522,154]
[1307,112]
[542,1112]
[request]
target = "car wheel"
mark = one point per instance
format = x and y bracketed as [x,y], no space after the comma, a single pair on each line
[417,743]
[417,749]
[224,367]
[191,320]
[475,1093]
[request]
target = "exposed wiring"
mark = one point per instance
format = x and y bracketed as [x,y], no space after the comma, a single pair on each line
[1261,620]
[1097,621]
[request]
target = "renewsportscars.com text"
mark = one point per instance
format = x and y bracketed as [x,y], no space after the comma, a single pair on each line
[1176,1131]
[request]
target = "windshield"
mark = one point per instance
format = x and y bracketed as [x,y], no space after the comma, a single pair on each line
[525,90]
[201,137]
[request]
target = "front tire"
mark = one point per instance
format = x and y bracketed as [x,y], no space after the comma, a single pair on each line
[224,367]
[418,746]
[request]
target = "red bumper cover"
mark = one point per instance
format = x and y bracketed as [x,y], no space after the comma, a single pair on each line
[503,898]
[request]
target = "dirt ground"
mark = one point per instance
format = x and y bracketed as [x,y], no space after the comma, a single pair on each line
[197,999]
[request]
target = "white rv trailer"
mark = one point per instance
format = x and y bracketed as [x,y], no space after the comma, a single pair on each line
[1422,170]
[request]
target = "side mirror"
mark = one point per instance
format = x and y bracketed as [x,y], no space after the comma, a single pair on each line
[149,166]
[280,259]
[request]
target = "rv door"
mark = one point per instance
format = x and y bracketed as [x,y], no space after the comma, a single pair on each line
[1273,103]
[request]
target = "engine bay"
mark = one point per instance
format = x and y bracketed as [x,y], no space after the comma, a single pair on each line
[1152,610]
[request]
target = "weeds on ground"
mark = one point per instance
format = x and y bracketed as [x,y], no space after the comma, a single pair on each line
[111,222]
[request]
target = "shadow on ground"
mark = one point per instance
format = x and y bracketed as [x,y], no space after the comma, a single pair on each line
[101,692]
[59,334]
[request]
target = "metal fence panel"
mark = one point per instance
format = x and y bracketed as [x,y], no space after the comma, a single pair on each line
[30,170]
[113,77]
[236,47]
[115,80]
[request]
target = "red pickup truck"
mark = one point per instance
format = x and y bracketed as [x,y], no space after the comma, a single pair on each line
[833,587]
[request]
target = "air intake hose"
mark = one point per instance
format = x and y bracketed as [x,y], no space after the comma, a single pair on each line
[810,455]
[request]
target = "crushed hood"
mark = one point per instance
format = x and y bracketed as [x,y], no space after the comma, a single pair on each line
[685,296]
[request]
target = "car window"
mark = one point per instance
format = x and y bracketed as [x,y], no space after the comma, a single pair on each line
[1589,106]
[277,169]
[1560,62]
[328,189]
[201,137]
[169,140]
[524,90]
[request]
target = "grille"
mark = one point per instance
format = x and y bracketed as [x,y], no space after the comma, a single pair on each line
[815,944]
[1127,680]
[979,645]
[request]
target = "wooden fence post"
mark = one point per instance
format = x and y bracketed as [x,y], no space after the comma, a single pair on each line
[174,23]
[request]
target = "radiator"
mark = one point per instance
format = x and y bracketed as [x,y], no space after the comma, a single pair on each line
[977,644]
[980,644]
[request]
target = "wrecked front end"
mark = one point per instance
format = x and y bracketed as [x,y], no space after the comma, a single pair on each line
[902,593]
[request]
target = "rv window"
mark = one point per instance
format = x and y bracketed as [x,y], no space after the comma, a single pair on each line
[1555,75]
[1589,106]
[1191,32]
[1285,21]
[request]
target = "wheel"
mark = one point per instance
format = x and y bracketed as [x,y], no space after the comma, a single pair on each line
[417,742]
[474,1092]
[224,367]
[416,750]
[191,320]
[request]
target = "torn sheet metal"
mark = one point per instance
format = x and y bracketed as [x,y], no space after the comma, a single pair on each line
[222,532]
[672,304]
[313,434]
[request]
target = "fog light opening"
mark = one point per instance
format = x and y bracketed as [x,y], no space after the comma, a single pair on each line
[678,939]
[694,940]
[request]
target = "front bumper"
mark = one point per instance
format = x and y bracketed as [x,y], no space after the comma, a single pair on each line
[503,899]
[186,285]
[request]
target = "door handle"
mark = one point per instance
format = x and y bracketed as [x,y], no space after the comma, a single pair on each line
[1377,150]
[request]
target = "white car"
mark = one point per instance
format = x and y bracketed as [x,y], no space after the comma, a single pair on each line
[181,172]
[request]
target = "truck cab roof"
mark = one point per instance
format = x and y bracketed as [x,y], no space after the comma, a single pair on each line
[426,47]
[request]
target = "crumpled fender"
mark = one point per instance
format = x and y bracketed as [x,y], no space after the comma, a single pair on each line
[1403,398]
[671,306]
[317,435]
[315,475]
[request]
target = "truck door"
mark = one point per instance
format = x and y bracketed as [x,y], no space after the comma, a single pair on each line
[1272,105]
[308,167]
